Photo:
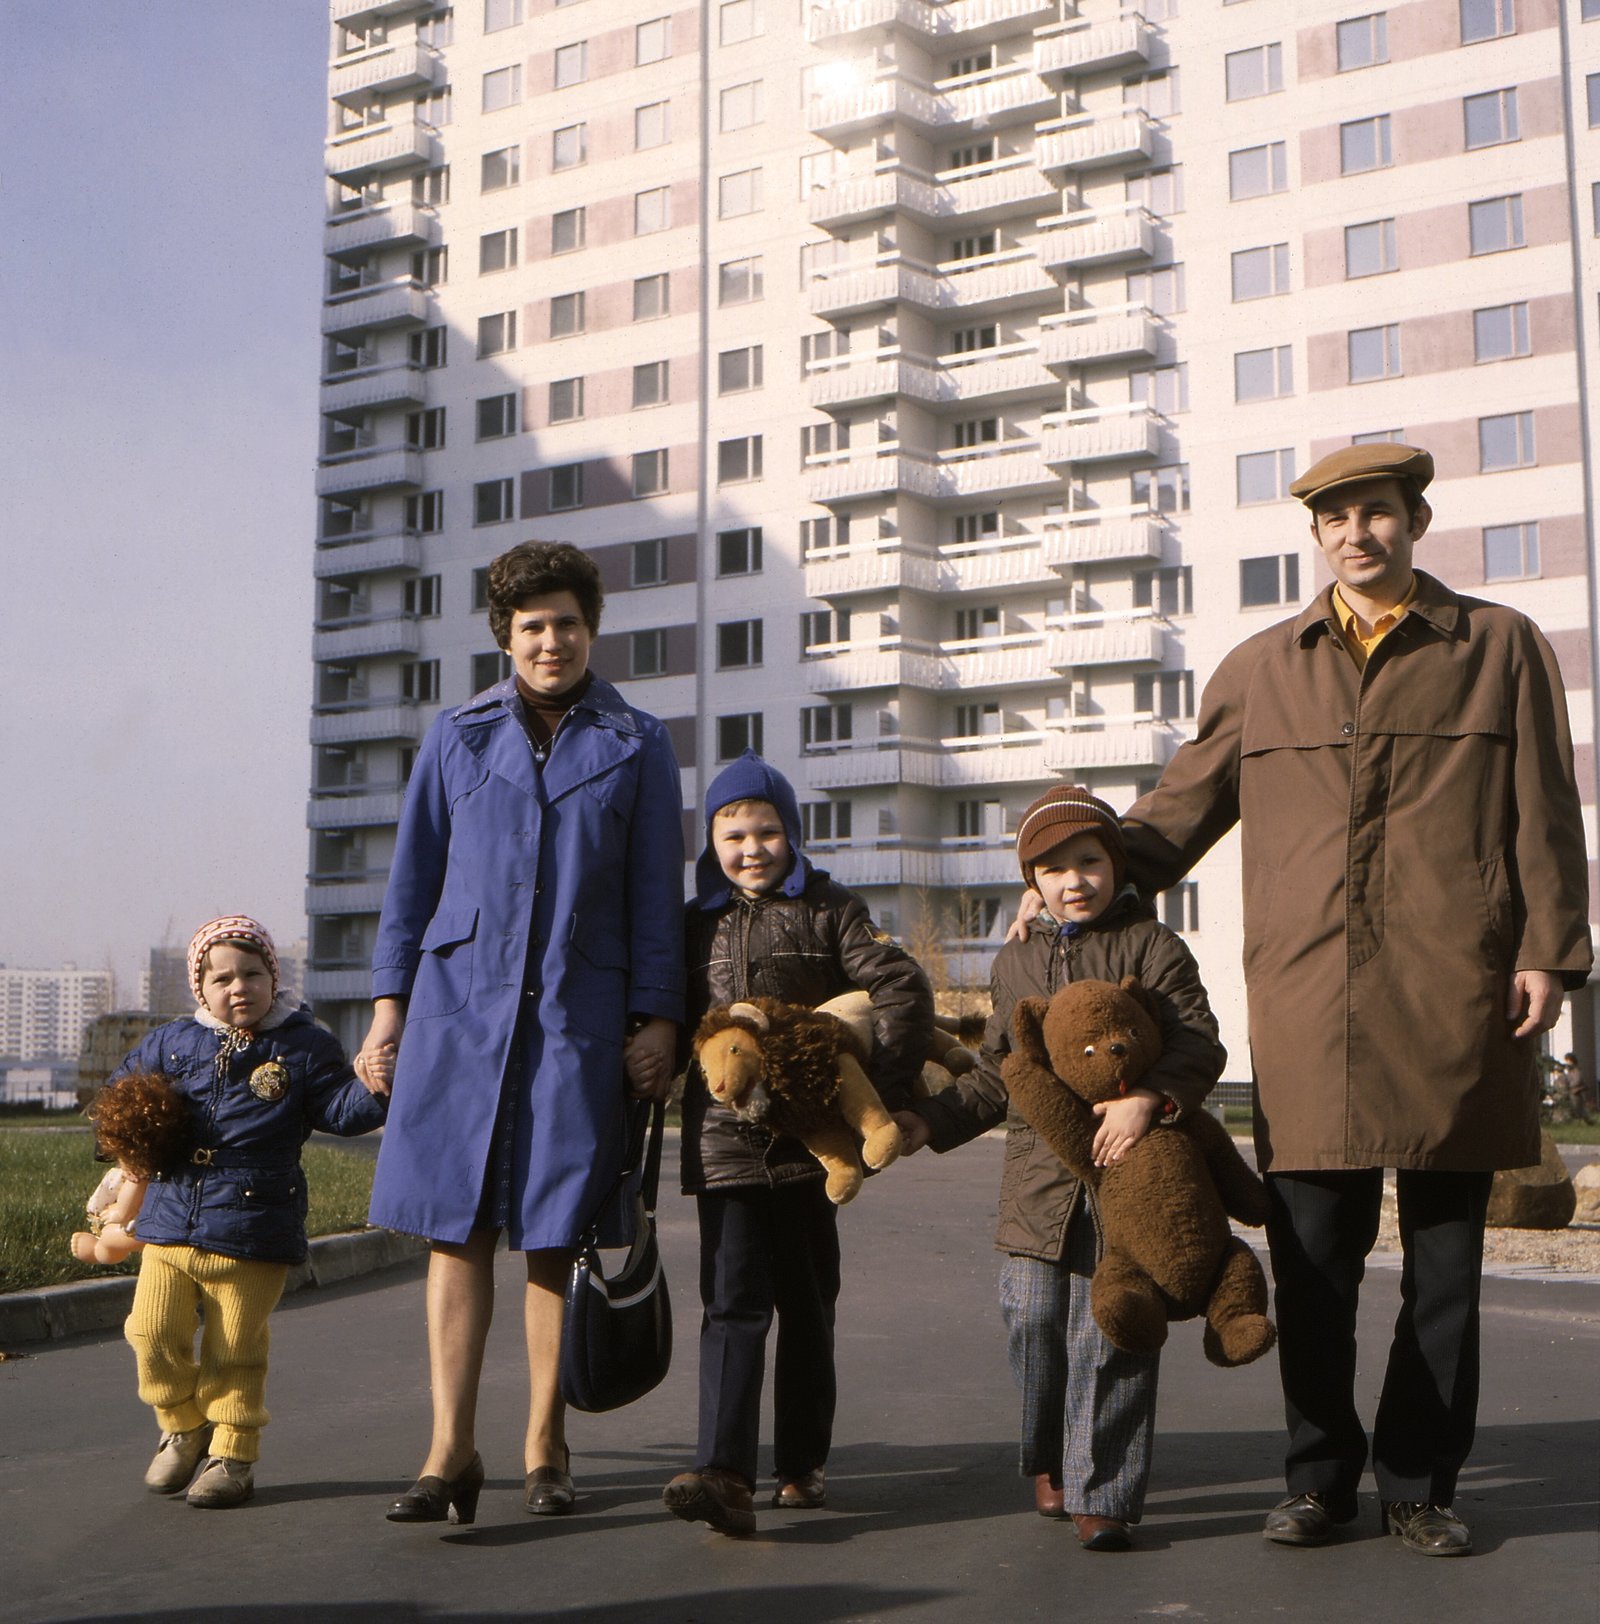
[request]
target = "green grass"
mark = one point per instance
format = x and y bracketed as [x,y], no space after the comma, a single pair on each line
[45,1178]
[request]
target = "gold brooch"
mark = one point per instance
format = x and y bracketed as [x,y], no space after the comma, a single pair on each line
[269,1082]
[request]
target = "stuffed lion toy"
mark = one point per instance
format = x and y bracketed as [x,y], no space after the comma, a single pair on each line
[801,1072]
[1169,1253]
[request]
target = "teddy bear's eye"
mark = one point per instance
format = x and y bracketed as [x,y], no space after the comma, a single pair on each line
[1088,1049]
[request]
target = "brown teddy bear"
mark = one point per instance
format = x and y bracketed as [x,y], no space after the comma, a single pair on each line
[1168,1252]
[799,1071]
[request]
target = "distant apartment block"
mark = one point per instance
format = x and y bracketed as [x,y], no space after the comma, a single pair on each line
[928,380]
[43,1012]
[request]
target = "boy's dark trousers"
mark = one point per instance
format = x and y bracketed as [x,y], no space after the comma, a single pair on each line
[764,1250]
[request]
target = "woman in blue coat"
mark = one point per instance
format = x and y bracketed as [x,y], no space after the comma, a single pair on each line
[533,920]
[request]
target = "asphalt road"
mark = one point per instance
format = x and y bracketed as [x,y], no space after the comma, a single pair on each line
[928,1521]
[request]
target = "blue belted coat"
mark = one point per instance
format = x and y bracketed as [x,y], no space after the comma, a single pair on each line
[531,909]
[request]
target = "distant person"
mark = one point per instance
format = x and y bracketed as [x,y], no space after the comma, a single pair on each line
[529,958]
[765,923]
[220,1231]
[1577,1090]
[1088,1409]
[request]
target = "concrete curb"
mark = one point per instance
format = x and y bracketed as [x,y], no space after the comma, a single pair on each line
[86,1306]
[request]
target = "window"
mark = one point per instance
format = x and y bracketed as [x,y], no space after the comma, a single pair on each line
[739,281]
[736,734]
[978,624]
[822,725]
[430,266]
[651,126]
[1379,436]
[1164,389]
[502,88]
[497,417]
[1162,290]
[1491,118]
[819,439]
[739,370]
[738,193]
[439,29]
[497,334]
[978,247]
[1500,332]
[1374,353]
[1365,144]
[497,250]
[1510,552]
[566,399]
[650,383]
[650,297]
[647,562]
[1165,695]
[492,502]
[823,822]
[566,315]
[421,597]
[647,653]
[649,473]
[652,41]
[738,460]
[1495,224]
[488,669]
[1159,190]
[818,536]
[1169,591]
[1369,249]
[738,644]
[1263,476]
[498,14]
[1594,195]
[977,527]
[424,512]
[969,157]
[1266,581]
[977,918]
[971,432]
[741,106]
[1163,490]
[1258,273]
[1155,93]
[1363,42]
[1256,72]
[652,210]
[822,629]
[433,109]
[1591,87]
[964,340]
[976,721]
[568,230]
[1505,442]
[1180,907]
[428,349]
[571,64]
[739,552]
[738,20]
[1487,19]
[1263,374]
[569,146]
[419,682]
[1256,171]
[1591,10]
[566,487]
[500,169]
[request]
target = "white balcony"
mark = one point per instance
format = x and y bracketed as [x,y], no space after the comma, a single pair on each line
[384,69]
[1012,186]
[1101,434]
[368,639]
[381,307]
[976,20]
[350,12]
[379,471]
[1113,642]
[1106,535]
[338,986]
[868,764]
[848,290]
[839,20]
[371,723]
[1018,562]
[389,386]
[1098,237]
[1132,744]
[1084,45]
[873,865]
[354,811]
[847,479]
[363,898]
[1010,663]
[861,197]
[1022,762]
[889,570]
[362,153]
[1091,140]
[943,381]
[391,223]
[885,99]
[1085,336]
[986,866]
[367,555]
[864,380]
[870,668]
[1010,96]
[951,477]
[997,284]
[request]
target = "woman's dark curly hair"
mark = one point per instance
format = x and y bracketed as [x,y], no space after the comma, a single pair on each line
[535,569]
[143,1122]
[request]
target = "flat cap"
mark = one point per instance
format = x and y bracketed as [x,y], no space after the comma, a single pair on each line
[1376,459]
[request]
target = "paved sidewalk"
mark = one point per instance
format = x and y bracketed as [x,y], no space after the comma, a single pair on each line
[929,1521]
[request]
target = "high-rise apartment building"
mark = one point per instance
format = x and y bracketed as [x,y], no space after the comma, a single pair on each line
[927,380]
[43,1012]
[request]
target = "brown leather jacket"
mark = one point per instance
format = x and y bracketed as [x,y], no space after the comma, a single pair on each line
[1037,1193]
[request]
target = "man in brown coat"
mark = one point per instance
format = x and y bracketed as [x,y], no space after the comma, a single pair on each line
[1415,904]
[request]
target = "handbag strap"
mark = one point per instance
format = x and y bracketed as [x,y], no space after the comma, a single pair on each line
[652,1155]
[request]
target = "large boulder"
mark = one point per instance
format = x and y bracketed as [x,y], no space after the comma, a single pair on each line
[1586,1182]
[1539,1197]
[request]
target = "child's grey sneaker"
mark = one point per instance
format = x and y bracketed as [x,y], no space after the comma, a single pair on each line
[175,1460]
[223,1483]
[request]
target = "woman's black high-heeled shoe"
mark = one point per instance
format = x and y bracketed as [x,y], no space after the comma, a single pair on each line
[441,1499]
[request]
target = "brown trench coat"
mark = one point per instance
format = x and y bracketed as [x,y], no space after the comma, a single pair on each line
[1411,838]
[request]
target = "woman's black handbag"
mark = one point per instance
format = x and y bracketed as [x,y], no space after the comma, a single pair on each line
[616,1339]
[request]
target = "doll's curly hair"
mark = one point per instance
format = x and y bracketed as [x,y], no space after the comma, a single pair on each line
[143,1122]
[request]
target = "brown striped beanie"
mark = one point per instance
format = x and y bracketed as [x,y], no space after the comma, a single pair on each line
[1061,813]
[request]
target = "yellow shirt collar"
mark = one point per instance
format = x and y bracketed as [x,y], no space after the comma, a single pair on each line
[1361,647]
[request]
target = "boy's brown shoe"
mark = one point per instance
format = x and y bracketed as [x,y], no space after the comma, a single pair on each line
[719,1499]
[177,1455]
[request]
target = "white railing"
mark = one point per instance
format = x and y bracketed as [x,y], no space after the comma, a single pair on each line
[379,148]
[1101,433]
[373,722]
[381,388]
[1115,642]
[366,555]
[394,634]
[353,811]
[1083,336]
[1087,43]
[365,898]
[392,67]
[380,470]
[1088,139]
[1094,236]
[383,307]
[393,222]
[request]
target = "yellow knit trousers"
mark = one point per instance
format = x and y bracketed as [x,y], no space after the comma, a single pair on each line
[226,1386]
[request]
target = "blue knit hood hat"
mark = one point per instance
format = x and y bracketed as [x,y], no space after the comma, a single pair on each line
[749,779]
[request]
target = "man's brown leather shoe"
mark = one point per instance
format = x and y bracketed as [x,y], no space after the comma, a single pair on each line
[717,1498]
[1048,1500]
[1306,1519]
[808,1493]
[1101,1533]
[1428,1530]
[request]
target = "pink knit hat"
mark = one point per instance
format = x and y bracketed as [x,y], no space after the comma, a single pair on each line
[240,928]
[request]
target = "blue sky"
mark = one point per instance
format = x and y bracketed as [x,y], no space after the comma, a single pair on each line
[160,175]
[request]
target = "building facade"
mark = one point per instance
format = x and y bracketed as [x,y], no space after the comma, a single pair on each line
[928,380]
[43,1013]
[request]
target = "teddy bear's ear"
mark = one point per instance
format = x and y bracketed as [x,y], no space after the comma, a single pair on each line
[1027,1027]
[1142,996]
[750,1015]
